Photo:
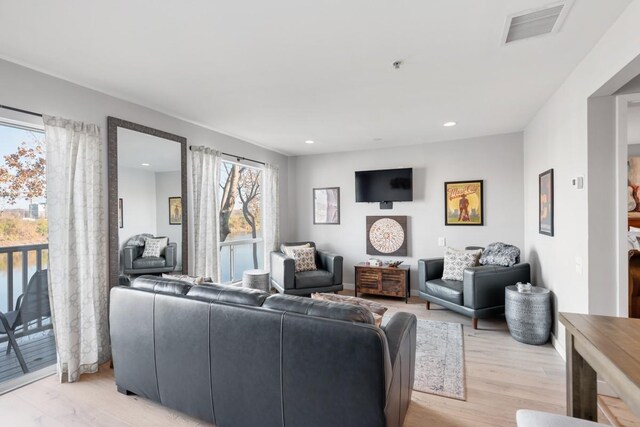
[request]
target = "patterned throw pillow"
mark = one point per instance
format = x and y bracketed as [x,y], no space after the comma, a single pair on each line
[155,247]
[305,259]
[192,280]
[455,261]
[499,253]
[288,250]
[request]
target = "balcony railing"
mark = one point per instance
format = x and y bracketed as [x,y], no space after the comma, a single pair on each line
[236,256]
[30,258]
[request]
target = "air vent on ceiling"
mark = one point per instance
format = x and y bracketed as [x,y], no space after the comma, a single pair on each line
[535,22]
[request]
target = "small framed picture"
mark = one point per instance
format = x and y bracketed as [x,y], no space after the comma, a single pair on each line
[463,203]
[326,205]
[120,220]
[545,199]
[175,210]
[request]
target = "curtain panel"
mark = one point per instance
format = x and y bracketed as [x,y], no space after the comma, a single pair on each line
[78,289]
[271,214]
[204,169]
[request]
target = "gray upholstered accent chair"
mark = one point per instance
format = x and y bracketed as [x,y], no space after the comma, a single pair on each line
[479,295]
[134,263]
[327,278]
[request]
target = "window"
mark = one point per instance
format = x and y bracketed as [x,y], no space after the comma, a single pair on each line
[23,243]
[240,220]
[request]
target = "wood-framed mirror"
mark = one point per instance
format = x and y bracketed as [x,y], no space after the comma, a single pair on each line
[147,175]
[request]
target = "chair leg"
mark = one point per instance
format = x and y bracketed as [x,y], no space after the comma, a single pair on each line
[474,322]
[428,305]
[14,344]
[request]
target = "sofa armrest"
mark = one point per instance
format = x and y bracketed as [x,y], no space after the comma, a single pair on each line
[130,253]
[332,263]
[171,254]
[484,285]
[401,338]
[283,270]
[429,269]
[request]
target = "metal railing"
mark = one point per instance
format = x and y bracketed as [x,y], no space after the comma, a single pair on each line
[11,291]
[232,244]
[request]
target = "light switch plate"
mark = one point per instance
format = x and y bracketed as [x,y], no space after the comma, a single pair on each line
[442,241]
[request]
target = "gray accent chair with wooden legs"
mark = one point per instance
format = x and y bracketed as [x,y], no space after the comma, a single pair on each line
[479,295]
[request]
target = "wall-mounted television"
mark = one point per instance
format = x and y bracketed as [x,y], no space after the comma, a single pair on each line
[387,185]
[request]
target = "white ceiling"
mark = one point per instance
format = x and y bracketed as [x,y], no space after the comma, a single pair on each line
[136,148]
[280,72]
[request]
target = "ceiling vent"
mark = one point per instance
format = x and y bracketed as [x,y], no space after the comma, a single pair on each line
[536,22]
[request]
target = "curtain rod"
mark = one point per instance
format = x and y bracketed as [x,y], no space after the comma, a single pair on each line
[19,110]
[237,157]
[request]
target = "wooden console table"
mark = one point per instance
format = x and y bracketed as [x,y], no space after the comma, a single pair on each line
[386,281]
[605,346]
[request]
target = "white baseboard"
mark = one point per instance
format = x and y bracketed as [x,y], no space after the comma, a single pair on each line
[559,347]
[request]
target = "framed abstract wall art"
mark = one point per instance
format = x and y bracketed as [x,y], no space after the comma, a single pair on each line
[463,203]
[175,210]
[545,199]
[387,235]
[326,205]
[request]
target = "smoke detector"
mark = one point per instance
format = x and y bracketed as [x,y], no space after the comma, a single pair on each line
[536,22]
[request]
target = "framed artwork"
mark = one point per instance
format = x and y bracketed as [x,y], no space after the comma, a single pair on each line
[175,210]
[120,220]
[463,203]
[545,198]
[387,235]
[326,205]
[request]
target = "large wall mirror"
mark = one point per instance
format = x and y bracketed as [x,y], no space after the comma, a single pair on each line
[147,201]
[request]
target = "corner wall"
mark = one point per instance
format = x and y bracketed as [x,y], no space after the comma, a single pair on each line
[558,137]
[495,159]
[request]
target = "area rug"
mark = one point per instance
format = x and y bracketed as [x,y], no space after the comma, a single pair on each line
[440,359]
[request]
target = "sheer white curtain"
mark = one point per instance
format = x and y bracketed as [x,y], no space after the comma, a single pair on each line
[204,166]
[78,288]
[271,216]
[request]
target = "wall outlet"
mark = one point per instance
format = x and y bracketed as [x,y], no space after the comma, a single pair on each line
[442,241]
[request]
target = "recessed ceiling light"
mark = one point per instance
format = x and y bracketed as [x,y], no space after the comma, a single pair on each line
[145,164]
[308,141]
[449,124]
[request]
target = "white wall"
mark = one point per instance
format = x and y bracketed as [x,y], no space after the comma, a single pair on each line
[558,137]
[168,185]
[31,90]
[495,159]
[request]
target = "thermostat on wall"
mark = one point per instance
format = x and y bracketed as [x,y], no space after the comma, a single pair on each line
[578,182]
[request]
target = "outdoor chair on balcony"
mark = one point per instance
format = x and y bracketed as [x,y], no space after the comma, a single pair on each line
[31,306]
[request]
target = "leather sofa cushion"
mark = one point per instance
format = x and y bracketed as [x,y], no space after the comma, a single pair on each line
[315,308]
[161,285]
[149,262]
[448,290]
[228,293]
[313,279]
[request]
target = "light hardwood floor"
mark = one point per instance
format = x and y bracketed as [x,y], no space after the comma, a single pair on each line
[502,376]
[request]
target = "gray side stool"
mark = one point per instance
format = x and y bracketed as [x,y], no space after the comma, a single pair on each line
[256,279]
[528,314]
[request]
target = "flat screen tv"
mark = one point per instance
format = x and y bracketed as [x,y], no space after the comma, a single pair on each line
[387,185]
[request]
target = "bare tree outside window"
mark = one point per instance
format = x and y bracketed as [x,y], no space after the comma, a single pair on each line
[240,215]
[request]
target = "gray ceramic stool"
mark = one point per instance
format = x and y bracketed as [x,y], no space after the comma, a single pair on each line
[528,314]
[256,279]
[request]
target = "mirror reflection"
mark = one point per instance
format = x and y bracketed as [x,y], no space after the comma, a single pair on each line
[149,204]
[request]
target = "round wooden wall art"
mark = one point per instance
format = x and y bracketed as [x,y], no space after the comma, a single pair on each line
[387,235]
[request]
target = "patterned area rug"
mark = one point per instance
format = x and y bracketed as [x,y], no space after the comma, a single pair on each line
[440,359]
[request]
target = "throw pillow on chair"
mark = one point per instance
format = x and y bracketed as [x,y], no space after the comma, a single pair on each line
[455,261]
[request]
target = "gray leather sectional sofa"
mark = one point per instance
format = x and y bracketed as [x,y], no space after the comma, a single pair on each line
[239,357]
